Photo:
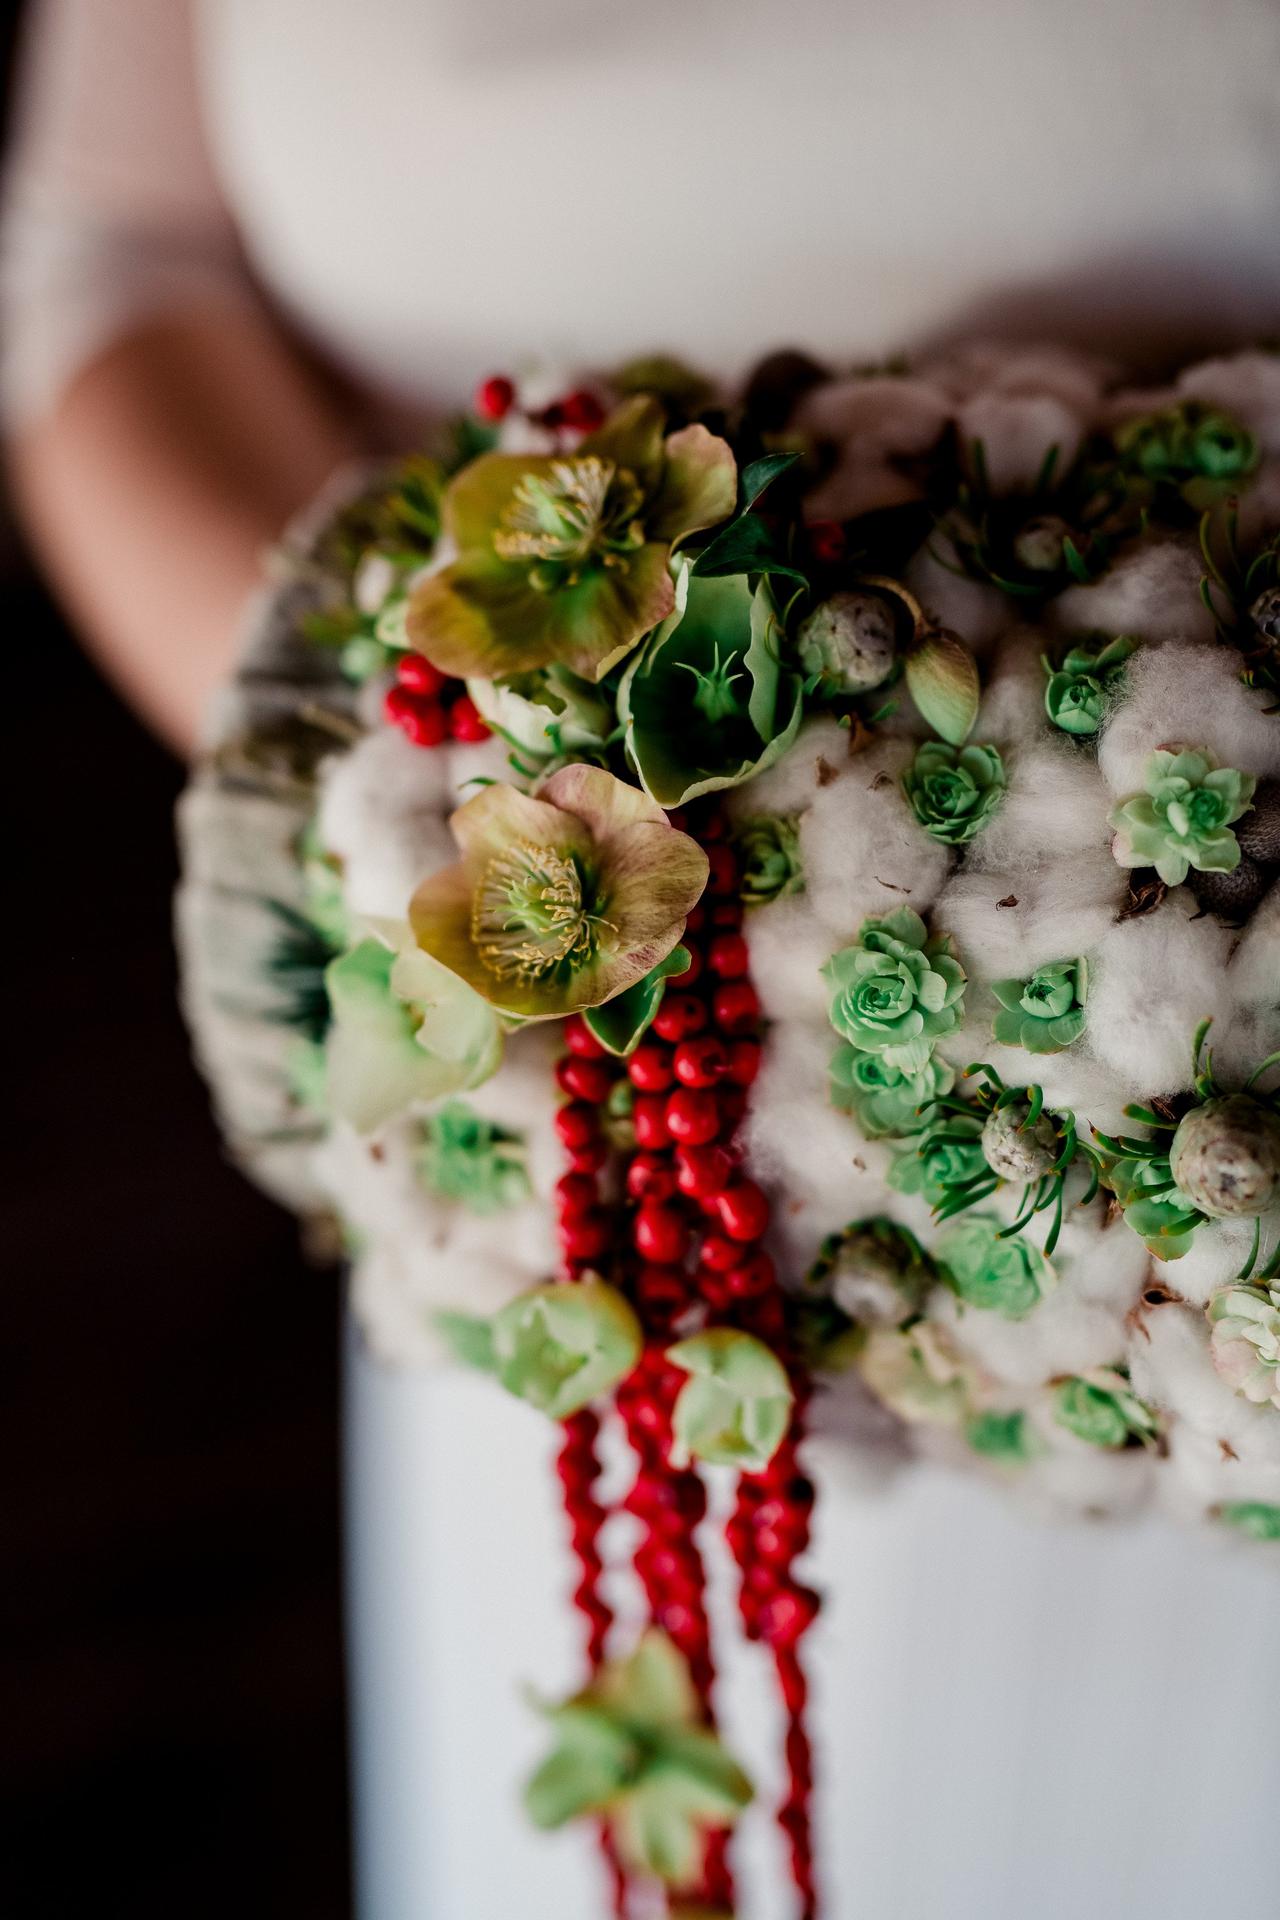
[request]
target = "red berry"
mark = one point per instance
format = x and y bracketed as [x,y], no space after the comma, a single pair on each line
[661,1288]
[701,1061]
[588,1158]
[702,1172]
[744,1062]
[711,1286]
[465,723]
[649,1068]
[579,1038]
[416,672]
[660,1234]
[826,540]
[726,913]
[733,1104]
[651,1176]
[727,956]
[744,1211]
[787,1616]
[587,1237]
[581,1079]
[418,716]
[576,1124]
[693,1118]
[696,918]
[649,1119]
[714,827]
[735,1006]
[691,972]
[751,1278]
[576,1193]
[723,878]
[581,411]
[679,1015]
[719,1254]
[495,397]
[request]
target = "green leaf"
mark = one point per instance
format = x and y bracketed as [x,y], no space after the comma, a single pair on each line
[619,1024]
[942,677]
[757,475]
[747,545]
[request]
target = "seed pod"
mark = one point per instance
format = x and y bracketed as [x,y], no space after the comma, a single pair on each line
[1259,830]
[849,641]
[1038,546]
[1265,614]
[875,1282]
[1015,1150]
[1225,1157]
[1234,895]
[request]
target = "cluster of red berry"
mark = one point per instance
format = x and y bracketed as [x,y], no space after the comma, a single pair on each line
[429,707]
[680,1230]
[576,412]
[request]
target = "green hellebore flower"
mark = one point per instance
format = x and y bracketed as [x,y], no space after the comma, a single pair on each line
[1255,1518]
[1002,1273]
[1184,818]
[405,1029]
[1080,690]
[1101,1408]
[563,1345]
[954,790]
[548,714]
[467,1158]
[1245,1340]
[633,1748]
[768,847]
[1005,1437]
[896,991]
[735,1408]
[917,1372]
[562,900]
[566,557]
[716,661]
[882,1099]
[1045,1013]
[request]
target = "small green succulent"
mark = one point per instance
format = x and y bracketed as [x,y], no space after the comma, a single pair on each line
[954,791]
[1200,452]
[876,1272]
[990,1268]
[735,1408]
[768,846]
[1046,1012]
[1101,1407]
[1255,1518]
[882,1099]
[897,991]
[1184,818]
[467,1158]
[1004,1437]
[1245,1341]
[943,1160]
[1080,689]
[563,1345]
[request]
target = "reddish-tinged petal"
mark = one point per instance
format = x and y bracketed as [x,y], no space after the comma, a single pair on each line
[499,817]
[650,879]
[632,438]
[605,803]
[481,617]
[699,485]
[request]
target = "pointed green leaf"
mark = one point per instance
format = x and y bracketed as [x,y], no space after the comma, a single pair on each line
[620,1023]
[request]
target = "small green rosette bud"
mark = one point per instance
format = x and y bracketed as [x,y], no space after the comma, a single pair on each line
[735,1408]
[563,1345]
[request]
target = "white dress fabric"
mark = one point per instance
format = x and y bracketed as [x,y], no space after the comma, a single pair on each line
[1011,1719]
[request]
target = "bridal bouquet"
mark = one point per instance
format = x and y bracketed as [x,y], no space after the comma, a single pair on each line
[741,910]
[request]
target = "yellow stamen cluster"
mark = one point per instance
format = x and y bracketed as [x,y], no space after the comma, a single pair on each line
[528,915]
[582,508]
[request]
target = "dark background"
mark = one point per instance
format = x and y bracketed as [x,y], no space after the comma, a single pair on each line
[171,1726]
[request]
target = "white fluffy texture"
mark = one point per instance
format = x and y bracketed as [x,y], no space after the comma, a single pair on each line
[974,367]
[383,810]
[821,750]
[1246,385]
[1055,809]
[972,608]
[861,845]
[1188,696]
[877,422]
[1155,978]
[1170,1366]
[1151,592]
[1217,1253]
[1017,432]
[1005,925]
[789,945]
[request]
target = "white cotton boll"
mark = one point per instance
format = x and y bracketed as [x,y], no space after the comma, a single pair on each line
[875,422]
[1064,1333]
[1186,696]
[1151,591]
[793,1139]
[1208,1475]
[1074,1478]
[1056,806]
[864,852]
[1246,385]
[1218,1252]
[1101,1258]
[974,609]
[1074,379]
[398,1287]
[468,762]
[1012,708]
[1005,925]
[789,946]
[522,1097]
[818,756]
[1017,432]
[382,812]
[1254,974]
[1171,1366]
[1153,980]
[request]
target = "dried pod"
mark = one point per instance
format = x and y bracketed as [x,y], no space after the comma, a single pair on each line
[1226,1157]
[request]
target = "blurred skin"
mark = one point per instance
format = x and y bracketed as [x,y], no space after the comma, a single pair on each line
[154,486]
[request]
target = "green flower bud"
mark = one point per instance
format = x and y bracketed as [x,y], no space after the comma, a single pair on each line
[769,853]
[1245,1340]
[563,1345]
[896,992]
[1002,1273]
[1183,819]
[1185,443]
[735,1408]
[1039,546]
[1045,1013]
[875,1271]
[1017,1148]
[1225,1157]
[954,790]
[848,643]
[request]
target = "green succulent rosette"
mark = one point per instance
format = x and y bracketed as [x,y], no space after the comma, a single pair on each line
[1080,690]
[735,1408]
[1200,451]
[472,1160]
[1045,1013]
[954,791]
[990,1268]
[1101,1408]
[566,557]
[768,848]
[918,1373]
[1007,1438]
[1245,1340]
[897,991]
[1256,1519]
[563,1345]
[940,1161]
[882,1099]
[561,900]
[1153,1207]
[716,663]
[1184,818]
[405,1030]
[633,1748]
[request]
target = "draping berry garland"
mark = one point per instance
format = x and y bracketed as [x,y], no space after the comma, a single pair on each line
[836,893]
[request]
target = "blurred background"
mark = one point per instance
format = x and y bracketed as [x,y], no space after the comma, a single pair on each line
[172,1734]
